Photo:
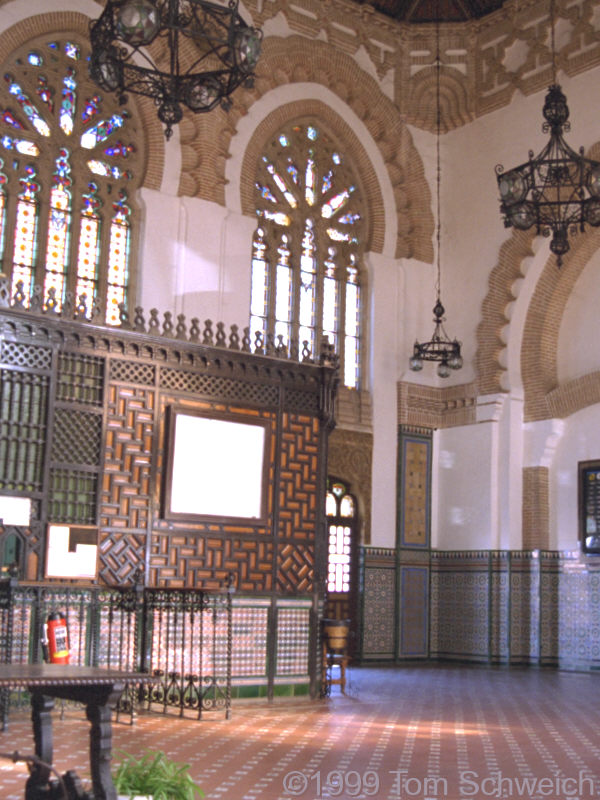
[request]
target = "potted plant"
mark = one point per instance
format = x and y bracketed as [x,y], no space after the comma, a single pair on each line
[154,776]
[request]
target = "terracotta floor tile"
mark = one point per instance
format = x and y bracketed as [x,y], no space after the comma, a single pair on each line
[407,732]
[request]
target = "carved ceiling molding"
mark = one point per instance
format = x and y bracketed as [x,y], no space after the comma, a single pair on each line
[493,58]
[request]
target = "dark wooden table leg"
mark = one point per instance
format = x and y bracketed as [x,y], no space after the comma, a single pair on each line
[99,715]
[37,785]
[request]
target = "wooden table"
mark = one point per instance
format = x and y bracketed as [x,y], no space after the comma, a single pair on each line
[98,689]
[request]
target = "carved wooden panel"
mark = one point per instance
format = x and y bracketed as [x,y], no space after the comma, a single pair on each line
[121,555]
[295,568]
[81,425]
[125,501]
[299,458]
[180,560]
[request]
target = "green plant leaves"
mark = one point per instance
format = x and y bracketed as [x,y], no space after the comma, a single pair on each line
[156,775]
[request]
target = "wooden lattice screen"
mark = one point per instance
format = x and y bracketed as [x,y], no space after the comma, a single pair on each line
[82,434]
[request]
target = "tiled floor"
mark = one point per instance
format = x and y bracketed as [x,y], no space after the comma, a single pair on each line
[410,732]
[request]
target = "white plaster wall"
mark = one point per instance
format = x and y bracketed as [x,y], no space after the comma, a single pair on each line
[580,441]
[196,259]
[465,508]
[387,302]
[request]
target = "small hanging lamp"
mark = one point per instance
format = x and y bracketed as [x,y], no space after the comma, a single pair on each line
[440,348]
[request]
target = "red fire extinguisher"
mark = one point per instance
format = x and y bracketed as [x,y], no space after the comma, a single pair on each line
[55,641]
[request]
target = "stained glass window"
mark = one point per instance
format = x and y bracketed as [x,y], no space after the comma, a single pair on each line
[306,281]
[68,171]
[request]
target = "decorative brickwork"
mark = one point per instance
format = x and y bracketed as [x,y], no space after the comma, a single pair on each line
[536,508]
[436,407]
[544,397]
[493,312]
[543,394]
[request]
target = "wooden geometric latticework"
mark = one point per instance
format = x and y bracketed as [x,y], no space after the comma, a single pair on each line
[126,488]
[26,355]
[295,568]
[73,496]
[179,560]
[299,459]
[80,379]
[23,430]
[212,386]
[77,437]
[121,554]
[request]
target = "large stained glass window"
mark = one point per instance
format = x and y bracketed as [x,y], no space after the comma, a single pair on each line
[69,167]
[306,277]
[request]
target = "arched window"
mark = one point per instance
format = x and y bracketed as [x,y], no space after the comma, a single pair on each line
[341,512]
[306,277]
[69,168]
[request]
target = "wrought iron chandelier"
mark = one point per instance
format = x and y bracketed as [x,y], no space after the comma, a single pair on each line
[206,48]
[558,191]
[440,348]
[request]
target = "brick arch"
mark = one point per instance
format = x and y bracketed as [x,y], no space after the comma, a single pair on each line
[490,344]
[544,397]
[206,138]
[454,101]
[63,23]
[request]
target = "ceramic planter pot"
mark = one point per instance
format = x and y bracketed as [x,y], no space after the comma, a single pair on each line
[135,797]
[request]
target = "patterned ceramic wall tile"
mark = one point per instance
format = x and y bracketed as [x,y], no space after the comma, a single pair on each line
[379,589]
[524,608]
[293,635]
[462,625]
[414,605]
[578,599]
[549,608]
[414,488]
[499,607]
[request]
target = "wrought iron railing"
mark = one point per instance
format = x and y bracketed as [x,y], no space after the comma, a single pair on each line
[181,637]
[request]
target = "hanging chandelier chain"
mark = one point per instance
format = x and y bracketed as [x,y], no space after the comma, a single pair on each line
[438,67]
[440,347]
[553,42]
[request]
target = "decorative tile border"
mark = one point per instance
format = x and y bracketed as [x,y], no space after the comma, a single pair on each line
[539,608]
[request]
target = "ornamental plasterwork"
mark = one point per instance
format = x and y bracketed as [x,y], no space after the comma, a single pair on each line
[205,138]
[350,458]
[490,59]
